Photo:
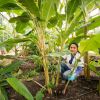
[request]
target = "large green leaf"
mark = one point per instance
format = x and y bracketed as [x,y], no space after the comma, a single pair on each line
[52,22]
[21,27]
[70,29]
[91,24]
[91,6]
[61,38]
[76,39]
[48,9]
[71,7]
[87,2]
[86,5]
[20,88]
[31,6]
[22,22]
[91,44]
[15,40]
[73,24]
[3,2]
[61,18]
[9,6]
[10,43]
[23,18]
[95,22]
[93,67]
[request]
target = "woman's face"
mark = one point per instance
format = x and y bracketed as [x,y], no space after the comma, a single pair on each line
[73,49]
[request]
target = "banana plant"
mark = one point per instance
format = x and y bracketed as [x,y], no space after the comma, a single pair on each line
[35,16]
[40,24]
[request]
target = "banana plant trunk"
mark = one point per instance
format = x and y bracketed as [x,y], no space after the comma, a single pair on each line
[43,51]
[46,74]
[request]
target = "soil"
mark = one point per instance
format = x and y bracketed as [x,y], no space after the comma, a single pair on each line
[80,89]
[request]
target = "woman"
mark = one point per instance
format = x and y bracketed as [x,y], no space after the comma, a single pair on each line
[66,68]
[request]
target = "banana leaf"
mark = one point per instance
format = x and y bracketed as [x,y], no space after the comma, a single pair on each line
[20,88]
[31,6]
[91,44]
[10,43]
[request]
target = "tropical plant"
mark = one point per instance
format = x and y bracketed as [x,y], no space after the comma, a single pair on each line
[6,76]
[35,22]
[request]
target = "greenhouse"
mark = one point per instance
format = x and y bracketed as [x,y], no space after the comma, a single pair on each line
[49,49]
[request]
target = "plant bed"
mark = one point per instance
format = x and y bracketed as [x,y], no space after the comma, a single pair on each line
[81,89]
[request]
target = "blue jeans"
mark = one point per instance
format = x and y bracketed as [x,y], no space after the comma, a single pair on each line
[65,68]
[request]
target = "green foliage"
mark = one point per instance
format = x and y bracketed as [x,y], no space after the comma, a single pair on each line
[61,38]
[37,60]
[91,24]
[6,72]
[23,18]
[3,94]
[95,22]
[20,88]
[61,18]
[76,39]
[46,14]
[39,95]
[27,74]
[21,27]
[50,5]
[10,43]
[9,6]
[10,67]
[52,22]
[71,7]
[33,49]
[91,44]
[2,2]
[92,65]
[73,24]
[31,6]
